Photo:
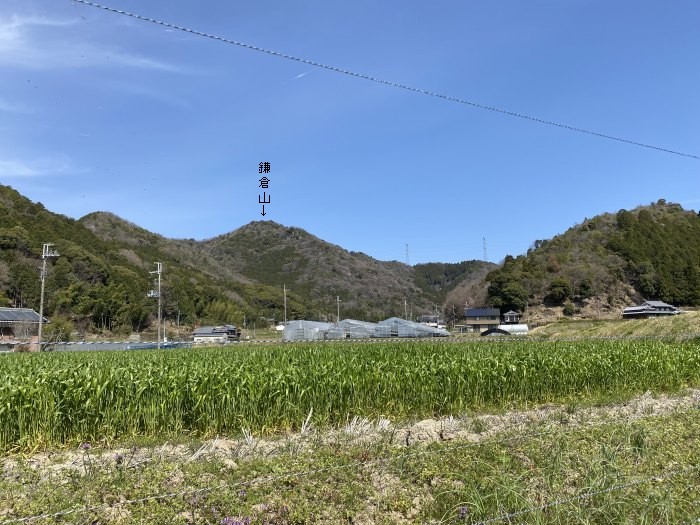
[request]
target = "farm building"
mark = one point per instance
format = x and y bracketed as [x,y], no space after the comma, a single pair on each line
[432,320]
[515,329]
[18,325]
[403,328]
[507,329]
[352,329]
[305,331]
[649,309]
[216,335]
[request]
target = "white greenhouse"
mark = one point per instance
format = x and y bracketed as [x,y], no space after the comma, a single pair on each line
[353,329]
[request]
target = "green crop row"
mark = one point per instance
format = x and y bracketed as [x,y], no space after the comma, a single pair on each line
[57,398]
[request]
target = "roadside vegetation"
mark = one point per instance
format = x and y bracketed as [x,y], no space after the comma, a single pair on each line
[636,470]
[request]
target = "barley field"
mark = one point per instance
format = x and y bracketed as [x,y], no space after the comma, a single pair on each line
[66,398]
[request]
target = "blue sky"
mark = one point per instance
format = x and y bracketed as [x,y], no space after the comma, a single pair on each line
[166,129]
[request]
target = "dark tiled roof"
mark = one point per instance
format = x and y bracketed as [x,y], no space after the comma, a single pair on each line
[481,312]
[18,315]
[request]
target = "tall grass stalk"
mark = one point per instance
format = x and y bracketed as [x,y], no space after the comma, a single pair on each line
[57,398]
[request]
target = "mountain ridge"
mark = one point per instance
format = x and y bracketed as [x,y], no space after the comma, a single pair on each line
[101,279]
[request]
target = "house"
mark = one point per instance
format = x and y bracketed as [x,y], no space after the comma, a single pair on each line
[649,309]
[432,320]
[18,325]
[511,317]
[481,319]
[216,335]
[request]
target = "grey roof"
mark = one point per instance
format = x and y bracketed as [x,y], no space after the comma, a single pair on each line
[212,330]
[18,315]
[658,304]
[635,309]
[651,307]
[511,313]
[481,312]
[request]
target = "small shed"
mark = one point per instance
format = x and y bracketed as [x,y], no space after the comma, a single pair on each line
[18,325]
[511,317]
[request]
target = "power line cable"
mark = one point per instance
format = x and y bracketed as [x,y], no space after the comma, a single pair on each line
[386,82]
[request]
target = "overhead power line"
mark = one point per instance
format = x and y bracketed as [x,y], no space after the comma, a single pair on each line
[385,82]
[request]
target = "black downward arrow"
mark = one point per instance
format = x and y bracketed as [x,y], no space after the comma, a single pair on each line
[263,212]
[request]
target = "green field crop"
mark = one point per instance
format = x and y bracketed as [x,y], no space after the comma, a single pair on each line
[65,398]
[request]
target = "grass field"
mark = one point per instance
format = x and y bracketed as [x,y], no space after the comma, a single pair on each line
[687,323]
[645,470]
[68,398]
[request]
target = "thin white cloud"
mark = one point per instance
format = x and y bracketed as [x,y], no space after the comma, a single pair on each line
[159,95]
[16,168]
[10,107]
[23,46]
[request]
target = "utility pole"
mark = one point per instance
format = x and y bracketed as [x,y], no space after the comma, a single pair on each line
[405,309]
[45,254]
[284,287]
[154,293]
[337,319]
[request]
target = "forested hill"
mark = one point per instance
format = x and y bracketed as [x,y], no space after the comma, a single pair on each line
[101,278]
[98,283]
[651,252]
[275,255]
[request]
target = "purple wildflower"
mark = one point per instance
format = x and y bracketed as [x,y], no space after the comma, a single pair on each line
[463,512]
[119,459]
[86,446]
